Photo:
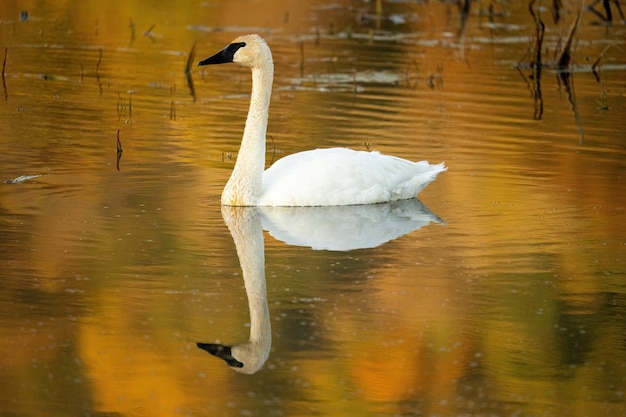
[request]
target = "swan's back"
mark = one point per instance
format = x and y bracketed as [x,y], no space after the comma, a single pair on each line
[339,176]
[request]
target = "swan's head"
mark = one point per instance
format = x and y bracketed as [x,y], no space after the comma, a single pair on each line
[246,358]
[248,50]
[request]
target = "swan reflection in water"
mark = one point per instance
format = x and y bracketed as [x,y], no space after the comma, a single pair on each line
[244,224]
[339,228]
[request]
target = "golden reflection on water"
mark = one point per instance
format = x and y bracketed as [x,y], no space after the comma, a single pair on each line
[515,305]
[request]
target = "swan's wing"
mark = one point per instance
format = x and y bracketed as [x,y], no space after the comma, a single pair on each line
[340,176]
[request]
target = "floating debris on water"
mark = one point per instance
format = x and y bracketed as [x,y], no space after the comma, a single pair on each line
[21,179]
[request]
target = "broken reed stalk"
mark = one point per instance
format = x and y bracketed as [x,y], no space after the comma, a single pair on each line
[595,64]
[464,10]
[148,33]
[301,59]
[4,65]
[131,26]
[607,8]
[4,62]
[540,32]
[565,58]
[188,70]
[556,10]
[120,107]
[119,150]
[172,104]
[99,60]
[98,65]
[536,64]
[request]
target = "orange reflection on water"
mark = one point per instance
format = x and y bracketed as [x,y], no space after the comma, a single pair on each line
[515,305]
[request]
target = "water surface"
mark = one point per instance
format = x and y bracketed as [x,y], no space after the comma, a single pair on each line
[502,293]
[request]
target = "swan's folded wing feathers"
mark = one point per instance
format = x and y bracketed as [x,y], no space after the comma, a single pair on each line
[318,177]
[340,176]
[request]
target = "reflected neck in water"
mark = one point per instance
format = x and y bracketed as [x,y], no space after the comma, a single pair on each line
[244,224]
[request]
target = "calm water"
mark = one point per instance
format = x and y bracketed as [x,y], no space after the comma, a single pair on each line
[503,293]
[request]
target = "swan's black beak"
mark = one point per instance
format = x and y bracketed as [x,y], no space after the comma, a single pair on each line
[221,351]
[224,56]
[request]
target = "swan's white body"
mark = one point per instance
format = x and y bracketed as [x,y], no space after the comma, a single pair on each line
[320,177]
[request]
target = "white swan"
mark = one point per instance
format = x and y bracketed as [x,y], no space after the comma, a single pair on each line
[244,224]
[320,177]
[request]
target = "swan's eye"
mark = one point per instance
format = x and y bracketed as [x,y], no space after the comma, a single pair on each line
[234,47]
[231,49]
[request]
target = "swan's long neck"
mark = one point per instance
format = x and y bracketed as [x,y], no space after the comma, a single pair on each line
[244,186]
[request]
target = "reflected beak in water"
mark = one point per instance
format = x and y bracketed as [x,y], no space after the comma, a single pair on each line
[222,352]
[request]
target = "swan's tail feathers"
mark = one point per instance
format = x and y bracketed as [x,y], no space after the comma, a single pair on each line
[435,169]
[426,173]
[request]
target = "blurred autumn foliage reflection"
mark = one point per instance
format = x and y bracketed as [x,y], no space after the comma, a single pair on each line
[516,306]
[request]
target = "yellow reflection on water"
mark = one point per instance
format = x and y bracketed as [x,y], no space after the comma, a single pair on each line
[514,306]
